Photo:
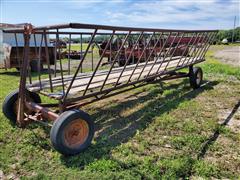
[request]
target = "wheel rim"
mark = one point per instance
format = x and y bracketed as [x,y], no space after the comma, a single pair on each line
[76,133]
[199,77]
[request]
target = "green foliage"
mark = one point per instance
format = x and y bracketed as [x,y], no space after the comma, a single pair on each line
[213,66]
[205,169]
[227,34]
[103,165]
[176,167]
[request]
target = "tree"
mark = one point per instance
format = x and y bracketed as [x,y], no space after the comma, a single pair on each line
[227,34]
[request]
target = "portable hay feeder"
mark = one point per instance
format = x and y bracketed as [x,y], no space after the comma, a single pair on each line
[126,58]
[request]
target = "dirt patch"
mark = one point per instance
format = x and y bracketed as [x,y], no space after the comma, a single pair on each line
[229,55]
[234,122]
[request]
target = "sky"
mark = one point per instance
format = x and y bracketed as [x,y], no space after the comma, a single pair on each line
[172,14]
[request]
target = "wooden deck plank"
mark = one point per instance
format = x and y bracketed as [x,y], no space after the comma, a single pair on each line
[77,87]
[83,79]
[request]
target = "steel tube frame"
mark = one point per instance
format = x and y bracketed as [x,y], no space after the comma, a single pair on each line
[139,59]
[23,75]
[169,49]
[146,51]
[99,62]
[191,48]
[103,27]
[149,56]
[162,48]
[124,85]
[127,61]
[115,58]
[80,64]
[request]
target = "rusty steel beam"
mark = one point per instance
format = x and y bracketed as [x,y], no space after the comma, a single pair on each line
[45,112]
[131,47]
[23,76]
[103,27]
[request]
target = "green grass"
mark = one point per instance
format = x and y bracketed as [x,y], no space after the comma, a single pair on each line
[146,133]
[77,47]
[213,66]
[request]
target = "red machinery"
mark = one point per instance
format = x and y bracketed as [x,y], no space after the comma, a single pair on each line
[150,48]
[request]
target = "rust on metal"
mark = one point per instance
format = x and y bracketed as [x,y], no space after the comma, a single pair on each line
[109,60]
[23,76]
[76,133]
[45,112]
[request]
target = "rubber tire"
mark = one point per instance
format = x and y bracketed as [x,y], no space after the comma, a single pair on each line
[57,132]
[193,77]
[9,101]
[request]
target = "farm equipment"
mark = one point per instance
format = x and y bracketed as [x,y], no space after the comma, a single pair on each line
[74,54]
[181,49]
[13,47]
[142,56]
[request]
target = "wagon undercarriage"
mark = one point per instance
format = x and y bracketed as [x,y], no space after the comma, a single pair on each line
[134,56]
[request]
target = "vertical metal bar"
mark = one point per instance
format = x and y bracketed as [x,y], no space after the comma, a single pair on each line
[17,50]
[166,53]
[35,43]
[29,67]
[163,46]
[144,52]
[60,63]
[132,50]
[154,49]
[99,62]
[80,64]
[173,52]
[138,49]
[47,59]
[69,50]
[133,55]
[56,55]
[210,39]
[81,46]
[164,57]
[192,47]
[92,56]
[36,54]
[189,43]
[39,62]
[204,45]
[110,55]
[23,76]
[155,44]
[115,58]
[145,45]
[195,54]
[199,49]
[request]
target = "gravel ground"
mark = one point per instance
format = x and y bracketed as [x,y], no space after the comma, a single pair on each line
[229,55]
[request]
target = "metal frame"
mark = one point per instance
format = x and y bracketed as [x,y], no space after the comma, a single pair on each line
[160,61]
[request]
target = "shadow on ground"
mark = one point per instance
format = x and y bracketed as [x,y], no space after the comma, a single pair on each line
[216,134]
[114,129]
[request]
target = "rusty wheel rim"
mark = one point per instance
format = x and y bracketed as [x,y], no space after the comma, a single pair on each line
[76,133]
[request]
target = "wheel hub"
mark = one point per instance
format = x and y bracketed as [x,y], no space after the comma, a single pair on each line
[76,133]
